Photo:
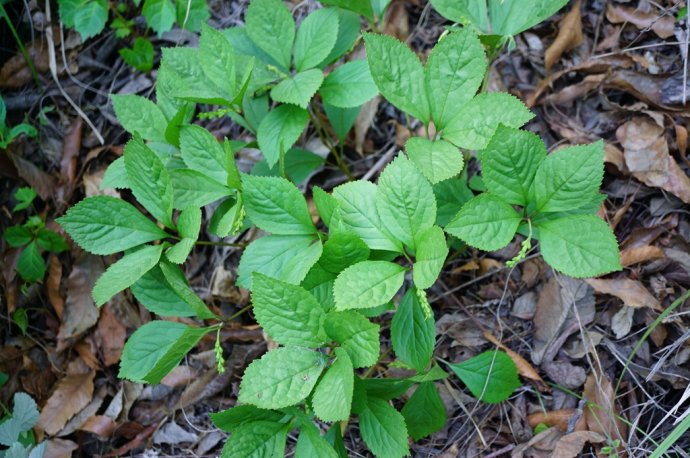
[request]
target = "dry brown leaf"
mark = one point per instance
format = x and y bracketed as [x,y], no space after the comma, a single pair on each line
[397,22]
[53,285]
[80,311]
[613,155]
[600,412]
[647,157]
[543,442]
[71,395]
[180,376]
[524,368]
[631,292]
[59,448]
[15,73]
[559,418]
[682,140]
[110,335]
[99,425]
[662,25]
[570,445]
[569,36]
[635,255]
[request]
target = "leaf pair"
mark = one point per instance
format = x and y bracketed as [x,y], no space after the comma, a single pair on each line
[558,193]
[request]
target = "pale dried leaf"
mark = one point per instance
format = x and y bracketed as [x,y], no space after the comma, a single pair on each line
[635,255]
[71,395]
[570,445]
[569,36]
[632,292]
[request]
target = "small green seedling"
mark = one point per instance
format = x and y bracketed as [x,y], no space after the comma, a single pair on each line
[16,429]
[32,238]
[9,134]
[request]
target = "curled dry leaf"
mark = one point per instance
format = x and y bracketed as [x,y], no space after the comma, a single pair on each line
[631,292]
[559,418]
[524,368]
[647,157]
[99,425]
[59,448]
[570,445]
[111,336]
[80,311]
[53,285]
[71,394]
[569,36]
[662,24]
[601,412]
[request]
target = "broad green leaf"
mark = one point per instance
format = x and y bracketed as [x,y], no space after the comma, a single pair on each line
[324,294]
[424,412]
[454,71]
[149,180]
[188,226]
[579,246]
[509,163]
[325,204]
[315,38]
[140,55]
[195,189]
[486,222]
[51,241]
[341,119]
[451,195]
[203,153]
[234,181]
[115,175]
[106,225]
[299,165]
[332,397]
[413,336]
[430,255]
[357,212]
[569,177]
[341,250]
[357,335]
[383,429]
[367,284]
[474,124]
[227,218]
[270,26]
[279,130]
[90,18]
[386,388]
[215,48]
[155,293]
[125,272]
[159,14]
[379,7]
[156,348]
[510,17]
[299,88]
[348,32]
[166,80]
[437,160]
[140,115]
[178,283]
[398,73]
[311,444]
[349,85]
[289,314]
[284,257]
[490,376]
[24,417]
[191,14]
[276,205]
[405,200]
[362,7]
[435,373]
[185,78]
[257,439]
[465,12]
[17,236]
[281,378]
[335,438]
[228,420]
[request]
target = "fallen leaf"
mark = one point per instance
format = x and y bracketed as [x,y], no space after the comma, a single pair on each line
[135,443]
[662,24]
[71,394]
[110,335]
[600,412]
[559,418]
[541,444]
[570,445]
[59,448]
[569,36]
[647,157]
[15,73]
[636,255]
[613,155]
[53,285]
[172,433]
[80,310]
[622,321]
[631,292]
[99,425]
[524,368]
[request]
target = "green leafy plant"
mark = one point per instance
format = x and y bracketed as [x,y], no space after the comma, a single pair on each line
[32,238]
[7,133]
[16,429]
[321,290]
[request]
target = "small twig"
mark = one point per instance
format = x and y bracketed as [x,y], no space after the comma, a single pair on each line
[53,72]
[501,451]
[385,159]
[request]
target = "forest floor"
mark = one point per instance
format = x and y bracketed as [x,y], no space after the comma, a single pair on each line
[611,70]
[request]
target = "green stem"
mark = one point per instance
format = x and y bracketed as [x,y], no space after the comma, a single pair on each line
[20,45]
[320,131]
[207,243]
